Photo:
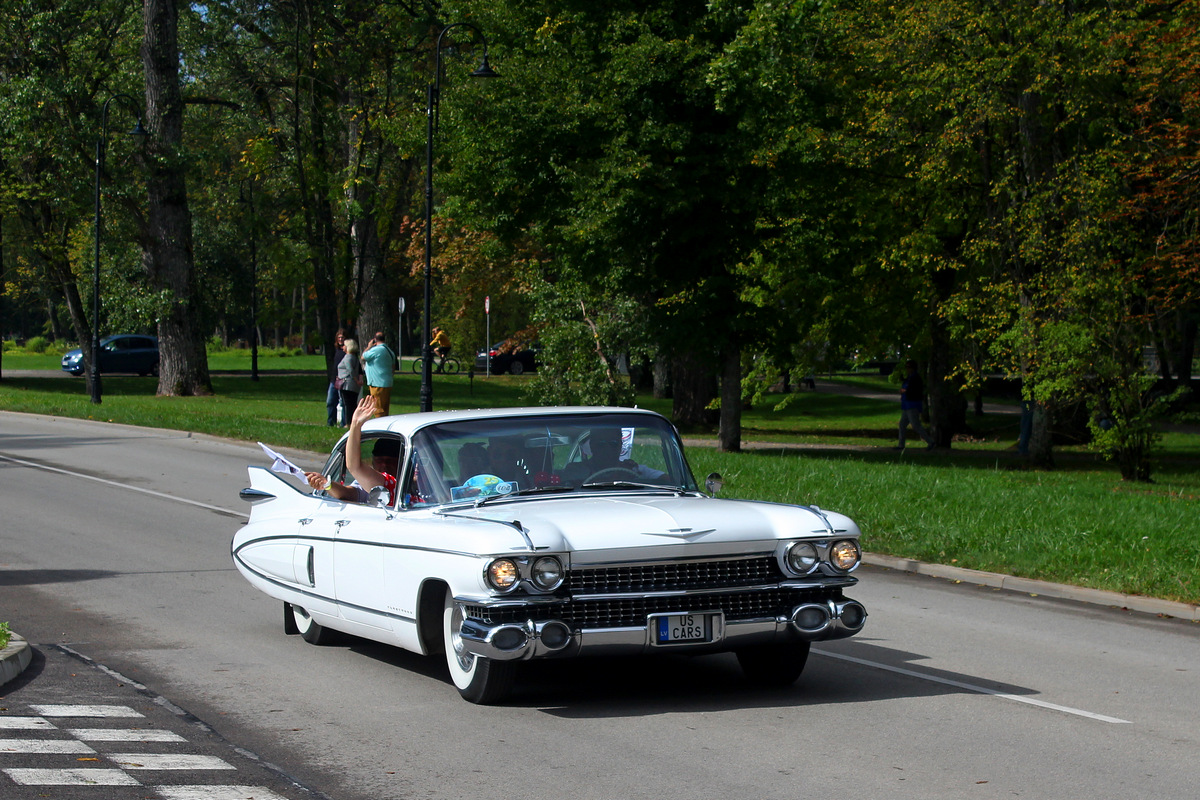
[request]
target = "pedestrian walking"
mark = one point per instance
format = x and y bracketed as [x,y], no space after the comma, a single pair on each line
[332,397]
[912,401]
[350,379]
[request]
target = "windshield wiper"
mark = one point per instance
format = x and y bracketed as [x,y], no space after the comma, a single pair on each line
[632,485]
[525,493]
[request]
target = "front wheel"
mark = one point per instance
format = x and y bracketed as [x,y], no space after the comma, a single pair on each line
[478,680]
[774,664]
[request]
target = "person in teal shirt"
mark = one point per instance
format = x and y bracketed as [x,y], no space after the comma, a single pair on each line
[379,362]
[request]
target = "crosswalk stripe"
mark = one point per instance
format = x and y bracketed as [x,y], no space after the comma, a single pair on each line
[158,761]
[70,777]
[85,711]
[217,793]
[25,724]
[124,735]
[43,746]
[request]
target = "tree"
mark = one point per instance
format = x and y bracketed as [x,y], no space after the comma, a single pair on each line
[61,64]
[183,366]
[605,147]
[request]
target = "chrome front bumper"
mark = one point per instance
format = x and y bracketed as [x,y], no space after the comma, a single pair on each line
[508,641]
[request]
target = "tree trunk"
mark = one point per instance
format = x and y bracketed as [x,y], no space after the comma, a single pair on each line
[1041,440]
[1186,330]
[729,436]
[693,386]
[944,400]
[661,369]
[167,250]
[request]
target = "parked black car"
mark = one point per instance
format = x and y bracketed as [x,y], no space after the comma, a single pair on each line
[509,356]
[124,352]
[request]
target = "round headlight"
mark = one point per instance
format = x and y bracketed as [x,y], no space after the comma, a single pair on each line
[503,574]
[844,555]
[802,557]
[547,573]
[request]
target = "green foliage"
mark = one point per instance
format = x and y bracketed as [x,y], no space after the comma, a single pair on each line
[37,344]
[5,635]
[581,342]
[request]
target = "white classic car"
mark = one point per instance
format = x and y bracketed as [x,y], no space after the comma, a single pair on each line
[546,533]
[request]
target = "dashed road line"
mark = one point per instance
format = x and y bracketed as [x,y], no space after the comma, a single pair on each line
[70,777]
[136,761]
[971,687]
[124,735]
[87,711]
[217,793]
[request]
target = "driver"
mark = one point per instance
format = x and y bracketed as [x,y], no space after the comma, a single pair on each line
[607,446]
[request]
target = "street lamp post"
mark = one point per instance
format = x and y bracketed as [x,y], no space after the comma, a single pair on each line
[431,108]
[138,130]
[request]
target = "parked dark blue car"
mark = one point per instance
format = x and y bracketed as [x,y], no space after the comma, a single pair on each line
[124,352]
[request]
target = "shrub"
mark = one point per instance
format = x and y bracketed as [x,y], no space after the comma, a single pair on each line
[37,344]
[5,635]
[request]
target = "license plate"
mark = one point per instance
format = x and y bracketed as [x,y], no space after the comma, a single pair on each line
[680,628]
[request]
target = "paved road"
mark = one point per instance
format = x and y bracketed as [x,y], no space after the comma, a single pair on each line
[114,544]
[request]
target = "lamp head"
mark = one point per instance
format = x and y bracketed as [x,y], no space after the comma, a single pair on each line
[484,70]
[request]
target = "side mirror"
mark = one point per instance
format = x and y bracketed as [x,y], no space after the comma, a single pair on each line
[713,483]
[379,496]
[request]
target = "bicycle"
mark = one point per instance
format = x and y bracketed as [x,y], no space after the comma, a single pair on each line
[451,366]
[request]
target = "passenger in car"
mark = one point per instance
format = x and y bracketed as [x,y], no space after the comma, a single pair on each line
[382,471]
[506,456]
[472,461]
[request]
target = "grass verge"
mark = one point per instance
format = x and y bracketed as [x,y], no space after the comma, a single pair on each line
[975,506]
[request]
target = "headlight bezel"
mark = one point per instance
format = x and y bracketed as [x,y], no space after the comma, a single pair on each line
[502,575]
[560,574]
[794,556]
[802,557]
[507,574]
[845,546]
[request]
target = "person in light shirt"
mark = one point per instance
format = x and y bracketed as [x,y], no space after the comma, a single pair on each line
[382,470]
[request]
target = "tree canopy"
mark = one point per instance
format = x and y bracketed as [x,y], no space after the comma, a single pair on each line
[719,193]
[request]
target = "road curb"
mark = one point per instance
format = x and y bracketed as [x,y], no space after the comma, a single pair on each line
[14,658]
[1080,594]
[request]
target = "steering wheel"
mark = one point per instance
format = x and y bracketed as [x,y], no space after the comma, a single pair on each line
[613,473]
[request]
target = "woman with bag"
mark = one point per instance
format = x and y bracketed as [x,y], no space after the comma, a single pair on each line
[349,378]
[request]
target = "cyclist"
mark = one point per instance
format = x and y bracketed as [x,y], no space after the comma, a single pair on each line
[441,347]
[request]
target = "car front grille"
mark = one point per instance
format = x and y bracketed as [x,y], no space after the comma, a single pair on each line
[677,576]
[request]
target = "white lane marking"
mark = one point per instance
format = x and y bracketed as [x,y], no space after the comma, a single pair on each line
[124,735]
[85,711]
[217,793]
[71,777]
[120,485]
[970,687]
[169,761]
[43,746]
[25,724]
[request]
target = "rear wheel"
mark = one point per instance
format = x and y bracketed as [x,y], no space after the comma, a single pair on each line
[774,664]
[308,628]
[479,680]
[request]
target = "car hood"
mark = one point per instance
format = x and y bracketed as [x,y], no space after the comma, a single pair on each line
[592,528]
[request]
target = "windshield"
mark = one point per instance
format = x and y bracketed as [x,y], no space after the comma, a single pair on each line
[478,459]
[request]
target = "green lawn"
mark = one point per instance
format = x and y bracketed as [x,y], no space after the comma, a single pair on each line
[975,506]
